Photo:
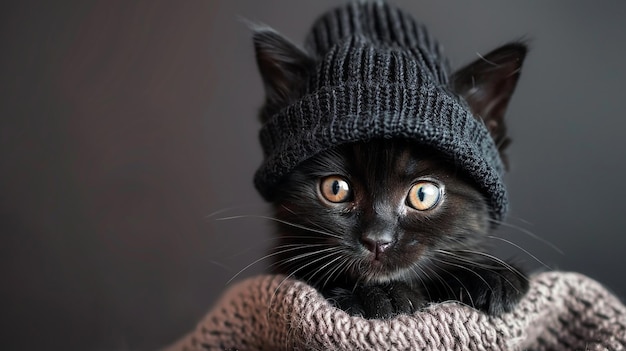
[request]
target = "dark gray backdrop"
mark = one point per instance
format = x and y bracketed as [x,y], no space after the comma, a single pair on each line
[124,125]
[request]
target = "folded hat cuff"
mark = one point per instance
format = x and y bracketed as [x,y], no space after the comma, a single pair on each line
[354,112]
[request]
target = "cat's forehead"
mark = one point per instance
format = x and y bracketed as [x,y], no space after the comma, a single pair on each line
[388,158]
[417,160]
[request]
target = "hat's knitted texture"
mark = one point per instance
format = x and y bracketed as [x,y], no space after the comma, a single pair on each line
[378,74]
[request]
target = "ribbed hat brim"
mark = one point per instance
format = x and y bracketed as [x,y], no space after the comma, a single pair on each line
[357,112]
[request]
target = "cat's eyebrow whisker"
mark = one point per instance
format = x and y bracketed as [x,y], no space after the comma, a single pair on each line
[529,233]
[520,248]
[279,221]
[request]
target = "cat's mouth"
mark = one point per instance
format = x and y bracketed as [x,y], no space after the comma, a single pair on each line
[381,269]
[382,263]
[378,274]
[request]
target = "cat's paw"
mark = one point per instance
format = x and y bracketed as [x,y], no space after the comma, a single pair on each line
[378,301]
[496,291]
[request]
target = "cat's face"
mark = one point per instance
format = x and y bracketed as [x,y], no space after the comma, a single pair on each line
[376,212]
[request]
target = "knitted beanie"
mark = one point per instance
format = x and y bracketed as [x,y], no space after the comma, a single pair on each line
[378,74]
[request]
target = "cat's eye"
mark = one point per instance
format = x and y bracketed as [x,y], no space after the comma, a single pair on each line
[335,189]
[424,196]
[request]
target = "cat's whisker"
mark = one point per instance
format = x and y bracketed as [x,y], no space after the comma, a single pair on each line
[231,208]
[338,269]
[291,247]
[464,268]
[296,271]
[525,221]
[305,255]
[355,265]
[464,259]
[520,248]
[300,216]
[463,287]
[419,277]
[529,233]
[246,251]
[497,260]
[439,277]
[255,262]
[494,270]
[322,269]
[295,225]
[221,265]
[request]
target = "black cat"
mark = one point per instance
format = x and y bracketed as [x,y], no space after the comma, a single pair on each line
[387,225]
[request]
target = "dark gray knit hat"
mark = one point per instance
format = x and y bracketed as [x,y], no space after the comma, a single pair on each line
[376,73]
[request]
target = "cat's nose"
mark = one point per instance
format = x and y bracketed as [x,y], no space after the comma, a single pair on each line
[376,245]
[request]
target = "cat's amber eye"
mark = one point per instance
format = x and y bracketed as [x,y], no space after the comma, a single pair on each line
[424,196]
[335,189]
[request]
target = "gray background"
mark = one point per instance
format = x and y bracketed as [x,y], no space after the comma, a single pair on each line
[124,125]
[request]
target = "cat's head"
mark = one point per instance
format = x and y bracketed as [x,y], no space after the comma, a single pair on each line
[383,210]
[360,136]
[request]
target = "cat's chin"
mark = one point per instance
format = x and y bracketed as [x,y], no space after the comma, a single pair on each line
[376,272]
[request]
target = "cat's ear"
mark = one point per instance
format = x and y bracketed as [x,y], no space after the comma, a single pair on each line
[283,66]
[487,85]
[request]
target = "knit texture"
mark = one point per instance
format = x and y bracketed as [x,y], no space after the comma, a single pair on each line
[562,311]
[378,74]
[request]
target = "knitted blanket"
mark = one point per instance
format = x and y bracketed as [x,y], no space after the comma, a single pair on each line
[562,311]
